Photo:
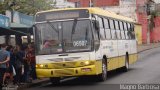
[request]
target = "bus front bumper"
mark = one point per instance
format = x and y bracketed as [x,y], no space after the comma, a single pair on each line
[69,72]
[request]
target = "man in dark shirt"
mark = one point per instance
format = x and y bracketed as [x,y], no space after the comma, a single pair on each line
[4,58]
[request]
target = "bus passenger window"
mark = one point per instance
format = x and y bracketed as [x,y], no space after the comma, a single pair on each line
[107,29]
[122,30]
[111,24]
[106,23]
[129,26]
[132,32]
[102,32]
[114,35]
[113,31]
[129,30]
[117,29]
[100,22]
[96,32]
[116,25]
[125,26]
[126,30]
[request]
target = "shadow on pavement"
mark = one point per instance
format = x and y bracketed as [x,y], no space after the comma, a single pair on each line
[88,81]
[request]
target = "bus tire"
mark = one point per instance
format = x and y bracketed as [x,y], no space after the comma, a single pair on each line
[126,67]
[55,80]
[103,76]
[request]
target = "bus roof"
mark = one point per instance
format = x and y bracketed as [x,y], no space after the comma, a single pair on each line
[98,11]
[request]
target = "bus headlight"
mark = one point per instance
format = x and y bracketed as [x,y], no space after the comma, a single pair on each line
[86,63]
[39,65]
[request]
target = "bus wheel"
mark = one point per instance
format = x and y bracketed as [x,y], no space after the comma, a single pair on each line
[55,80]
[126,67]
[103,75]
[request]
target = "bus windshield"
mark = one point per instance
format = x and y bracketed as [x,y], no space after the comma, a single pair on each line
[63,36]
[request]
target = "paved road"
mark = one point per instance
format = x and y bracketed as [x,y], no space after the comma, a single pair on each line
[145,71]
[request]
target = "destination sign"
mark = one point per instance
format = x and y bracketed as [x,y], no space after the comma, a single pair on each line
[60,15]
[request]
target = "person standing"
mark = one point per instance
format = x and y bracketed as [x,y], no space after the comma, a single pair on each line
[4,58]
[31,57]
[10,49]
[26,66]
[19,64]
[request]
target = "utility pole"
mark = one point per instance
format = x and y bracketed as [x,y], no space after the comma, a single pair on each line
[148,20]
[91,4]
[77,4]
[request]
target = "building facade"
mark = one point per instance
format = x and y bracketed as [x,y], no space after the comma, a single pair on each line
[126,8]
[122,7]
[62,4]
[96,3]
[135,9]
[148,21]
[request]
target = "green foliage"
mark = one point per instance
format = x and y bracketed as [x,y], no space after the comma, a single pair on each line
[29,7]
[153,15]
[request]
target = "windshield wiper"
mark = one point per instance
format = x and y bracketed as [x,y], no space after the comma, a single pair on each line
[52,27]
[74,27]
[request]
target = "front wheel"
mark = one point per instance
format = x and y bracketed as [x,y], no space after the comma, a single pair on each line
[103,75]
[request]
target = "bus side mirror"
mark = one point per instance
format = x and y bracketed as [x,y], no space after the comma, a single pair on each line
[96,23]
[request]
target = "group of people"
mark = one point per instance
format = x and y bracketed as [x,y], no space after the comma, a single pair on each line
[17,63]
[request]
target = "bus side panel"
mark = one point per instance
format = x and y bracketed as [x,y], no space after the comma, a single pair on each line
[133,58]
[108,48]
[133,53]
[113,55]
[112,63]
[121,61]
[122,49]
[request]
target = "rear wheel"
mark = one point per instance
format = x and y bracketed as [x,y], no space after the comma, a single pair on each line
[103,75]
[126,67]
[55,80]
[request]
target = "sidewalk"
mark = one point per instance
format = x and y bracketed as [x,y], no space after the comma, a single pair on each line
[34,83]
[145,47]
[40,82]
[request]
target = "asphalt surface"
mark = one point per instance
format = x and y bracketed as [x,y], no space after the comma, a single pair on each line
[145,71]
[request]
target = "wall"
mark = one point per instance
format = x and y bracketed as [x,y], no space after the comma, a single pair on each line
[126,8]
[138,33]
[142,19]
[97,3]
[155,33]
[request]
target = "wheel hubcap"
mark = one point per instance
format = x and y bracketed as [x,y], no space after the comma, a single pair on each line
[104,71]
[127,64]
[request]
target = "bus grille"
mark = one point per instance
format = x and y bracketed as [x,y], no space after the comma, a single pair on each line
[65,72]
[64,65]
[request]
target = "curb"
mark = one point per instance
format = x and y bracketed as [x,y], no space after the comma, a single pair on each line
[39,83]
[148,49]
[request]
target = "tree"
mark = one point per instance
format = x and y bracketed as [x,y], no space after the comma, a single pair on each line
[29,7]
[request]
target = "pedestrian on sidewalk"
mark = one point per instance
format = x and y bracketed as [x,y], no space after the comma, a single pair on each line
[27,67]
[10,49]
[19,64]
[31,57]
[4,58]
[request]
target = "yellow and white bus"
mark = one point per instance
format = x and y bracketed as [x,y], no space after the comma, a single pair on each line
[83,42]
